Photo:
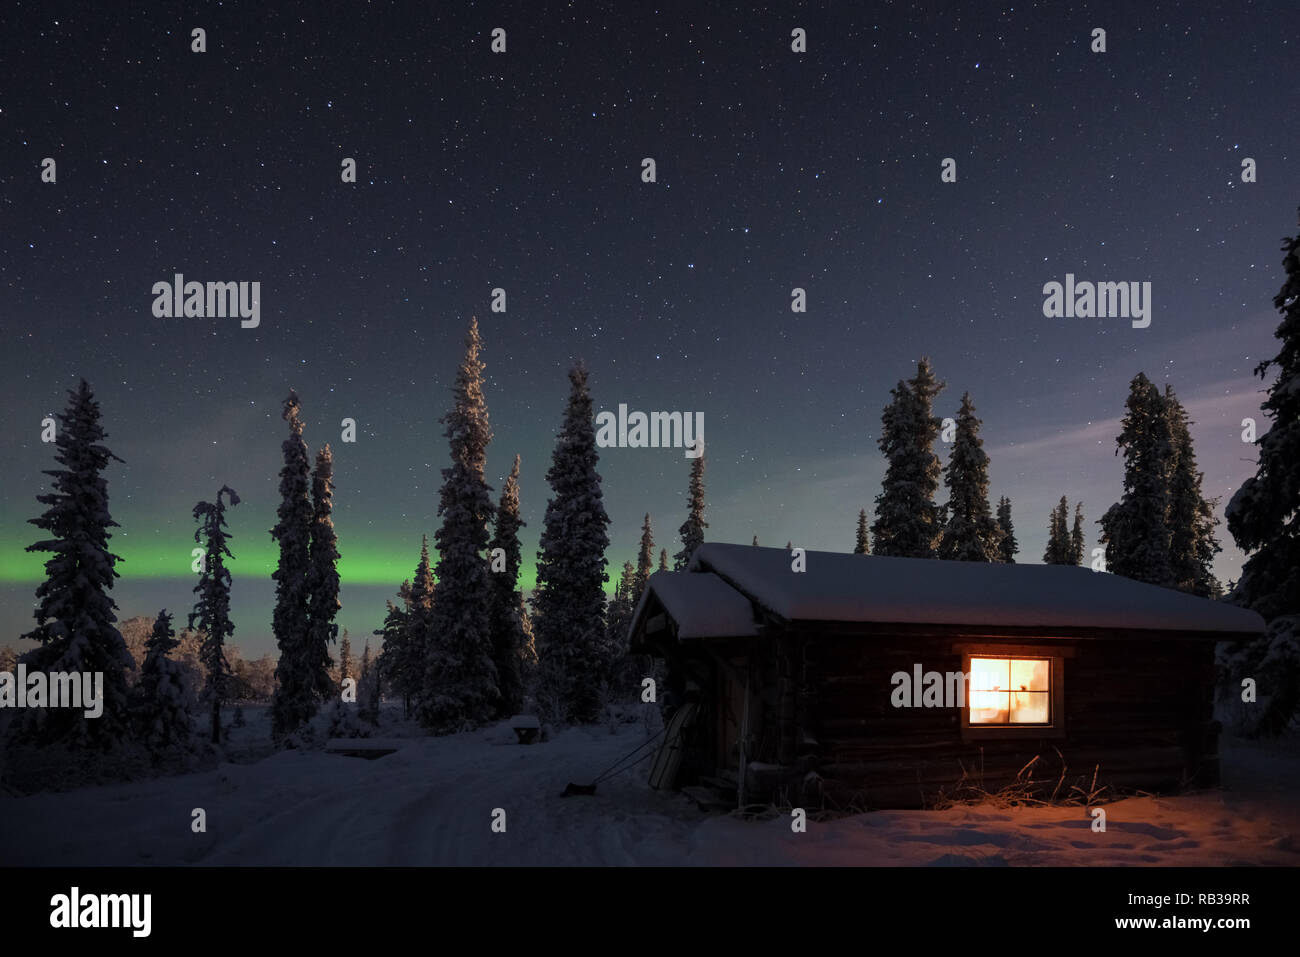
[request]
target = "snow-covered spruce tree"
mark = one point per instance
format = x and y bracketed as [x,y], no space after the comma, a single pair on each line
[624,670]
[162,704]
[862,544]
[1135,530]
[663,560]
[413,651]
[1192,543]
[211,614]
[507,627]
[528,646]
[368,685]
[460,680]
[1058,535]
[75,630]
[1264,518]
[294,702]
[644,560]
[393,651]
[322,582]
[347,664]
[908,522]
[972,534]
[569,602]
[189,656]
[618,613]
[377,689]
[1009,546]
[692,530]
[1052,550]
[640,580]
[1076,536]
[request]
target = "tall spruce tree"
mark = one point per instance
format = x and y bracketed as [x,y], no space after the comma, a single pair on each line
[528,648]
[1264,519]
[322,581]
[1192,543]
[74,614]
[162,703]
[507,628]
[972,534]
[619,612]
[211,614]
[347,664]
[417,644]
[627,582]
[1135,530]
[908,522]
[1009,546]
[294,702]
[1052,552]
[1058,535]
[1076,536]
[644,560]
[394,652]
[862,545]
[368,686]
[460,680]
[692,530]
[569,602]
[663,559]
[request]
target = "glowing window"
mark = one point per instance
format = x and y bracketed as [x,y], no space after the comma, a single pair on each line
[1010,690]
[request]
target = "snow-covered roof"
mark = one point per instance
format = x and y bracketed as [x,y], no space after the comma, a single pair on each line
[843,587]
[702,605]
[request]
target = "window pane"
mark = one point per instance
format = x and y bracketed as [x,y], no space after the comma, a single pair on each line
[1010,691]
[989,674]
[1029,707]
[1030,674]
[988,707]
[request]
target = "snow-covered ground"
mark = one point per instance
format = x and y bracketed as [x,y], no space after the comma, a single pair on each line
[433,802]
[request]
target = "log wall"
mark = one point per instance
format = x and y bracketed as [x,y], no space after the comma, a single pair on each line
[1139,711]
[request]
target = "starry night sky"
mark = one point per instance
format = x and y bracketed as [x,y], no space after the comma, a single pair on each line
[522,171]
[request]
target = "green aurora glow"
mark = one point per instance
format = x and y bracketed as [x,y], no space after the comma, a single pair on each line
[366,561]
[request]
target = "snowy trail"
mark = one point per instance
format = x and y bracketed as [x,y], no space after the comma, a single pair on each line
[432,801]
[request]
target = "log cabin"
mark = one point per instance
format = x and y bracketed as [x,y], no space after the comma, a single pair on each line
[876,682]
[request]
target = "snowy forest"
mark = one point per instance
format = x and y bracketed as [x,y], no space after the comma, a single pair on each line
[462,647]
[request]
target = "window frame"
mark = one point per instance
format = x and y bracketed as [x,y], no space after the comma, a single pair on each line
[1056,692]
